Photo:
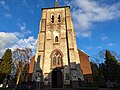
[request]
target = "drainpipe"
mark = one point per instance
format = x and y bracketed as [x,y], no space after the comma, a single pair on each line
[68,51]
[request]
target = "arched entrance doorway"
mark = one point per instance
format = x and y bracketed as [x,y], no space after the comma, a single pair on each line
[57,78]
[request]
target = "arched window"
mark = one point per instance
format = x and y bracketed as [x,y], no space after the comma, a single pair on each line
[57,59]
[59,18]
[56,38]
[48,35]
[52,18]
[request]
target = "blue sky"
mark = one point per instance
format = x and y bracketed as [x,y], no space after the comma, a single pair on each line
[96,23]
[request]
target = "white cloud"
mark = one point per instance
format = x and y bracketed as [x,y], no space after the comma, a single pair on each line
[86,12]
[93,48]
[8,15]
[13,41]
[17,39]
[89,47]
[6,38]
[98,47]
[6,9]
[103,38]
[110,44]
[29,42]
[4,5]
[23,28]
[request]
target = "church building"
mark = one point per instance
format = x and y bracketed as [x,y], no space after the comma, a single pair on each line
[58,62]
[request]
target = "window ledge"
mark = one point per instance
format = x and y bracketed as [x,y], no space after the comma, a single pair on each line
[56,43]
[56,66]
[48,38]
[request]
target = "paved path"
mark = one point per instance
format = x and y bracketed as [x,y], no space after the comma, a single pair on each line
[109,88]
[83,88]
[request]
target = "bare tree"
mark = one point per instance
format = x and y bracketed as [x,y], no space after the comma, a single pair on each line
[21,58]
[99,58]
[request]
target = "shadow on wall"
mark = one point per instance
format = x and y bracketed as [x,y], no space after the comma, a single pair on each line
[60,77]
[35,79]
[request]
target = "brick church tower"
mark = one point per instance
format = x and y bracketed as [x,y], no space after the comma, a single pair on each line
[57,61]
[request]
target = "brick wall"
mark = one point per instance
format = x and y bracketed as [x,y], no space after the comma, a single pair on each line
[85,66]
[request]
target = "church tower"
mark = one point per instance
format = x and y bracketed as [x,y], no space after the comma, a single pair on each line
[57,61]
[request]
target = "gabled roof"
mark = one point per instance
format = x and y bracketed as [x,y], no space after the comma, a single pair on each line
[82,52]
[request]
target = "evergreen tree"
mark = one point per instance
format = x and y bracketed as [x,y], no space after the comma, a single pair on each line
[97,75]
[95,71]
[5,66]
[110,68]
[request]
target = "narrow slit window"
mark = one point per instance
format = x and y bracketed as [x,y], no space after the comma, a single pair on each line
[59,18]
[38,60]
[52,19]
[56,39]
[59,61]
[54,60]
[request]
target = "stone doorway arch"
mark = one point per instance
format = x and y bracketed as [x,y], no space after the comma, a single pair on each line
[57,78]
